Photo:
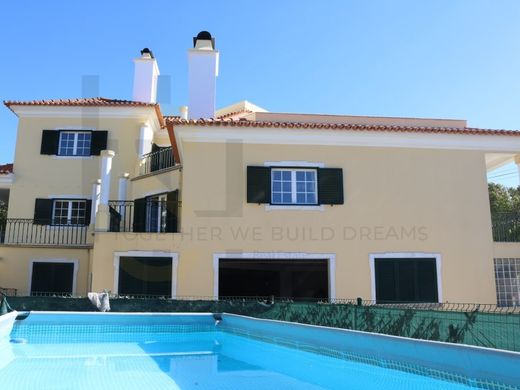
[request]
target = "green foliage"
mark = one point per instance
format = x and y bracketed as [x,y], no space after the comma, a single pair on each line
[504,199]
[3,213]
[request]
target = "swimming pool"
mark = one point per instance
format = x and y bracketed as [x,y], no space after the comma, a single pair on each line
[202,351]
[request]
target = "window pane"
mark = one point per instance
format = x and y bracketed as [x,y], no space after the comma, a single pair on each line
[277,186]
[310,175]
[300,187]
[300,175]
[300,197]
[287,198]
[311,198]
[286,186]
[277,197]
[286,175]
[277,175]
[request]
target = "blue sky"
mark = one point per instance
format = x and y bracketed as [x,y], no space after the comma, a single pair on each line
[442,58]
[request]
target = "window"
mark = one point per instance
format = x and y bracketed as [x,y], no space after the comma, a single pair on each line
[294,186]
[406,280]
[52,277]
[157,214]
[69,212]
[74,143]
[288,185]
[507,277]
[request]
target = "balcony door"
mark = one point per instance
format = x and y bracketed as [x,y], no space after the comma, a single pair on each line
[157,214]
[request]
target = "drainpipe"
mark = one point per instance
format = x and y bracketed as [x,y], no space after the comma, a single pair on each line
[123,186]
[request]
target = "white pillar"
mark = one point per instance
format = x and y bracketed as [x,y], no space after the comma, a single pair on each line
[106,171]
[103,213]
[96,191]
[123,186]
[145,139]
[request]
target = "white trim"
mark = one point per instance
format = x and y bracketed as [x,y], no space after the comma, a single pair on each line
[54,260]
[307,164]
[79,112]
[70,197]
[330,257]
[274,207]
[173,255]
[410,255]
[278,136]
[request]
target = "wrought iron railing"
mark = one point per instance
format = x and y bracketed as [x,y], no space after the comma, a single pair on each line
[506,226]
[150,216]
[157,161]
[23,231]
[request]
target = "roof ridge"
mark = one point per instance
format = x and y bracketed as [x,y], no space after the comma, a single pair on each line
[242,122]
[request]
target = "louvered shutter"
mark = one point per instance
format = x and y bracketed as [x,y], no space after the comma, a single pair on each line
[258,184]
[330,186]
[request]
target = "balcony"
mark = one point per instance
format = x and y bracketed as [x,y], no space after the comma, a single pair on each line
[144,216]
[22,231]
[157,161]
[506,226]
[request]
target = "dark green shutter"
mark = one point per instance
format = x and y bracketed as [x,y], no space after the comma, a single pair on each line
[50,140]
[172,211]
[88,211]
[140,215]
[43,211]
[330,186]
[258,184]
[98,142]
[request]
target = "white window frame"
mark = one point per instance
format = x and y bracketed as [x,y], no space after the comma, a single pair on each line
[293,171]
[75,146]
[69,211]
[274,256]
[173,255]
[405,255]
[57,260]
[295,164]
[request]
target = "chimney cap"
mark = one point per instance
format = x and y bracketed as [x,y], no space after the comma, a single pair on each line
[147,52]
[204,36]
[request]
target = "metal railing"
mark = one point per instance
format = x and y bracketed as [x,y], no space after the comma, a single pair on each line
[157,161]
[151,216]
[506,226]
[23,231]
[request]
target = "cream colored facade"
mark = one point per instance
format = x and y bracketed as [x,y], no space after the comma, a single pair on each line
[399,189]
[429,198]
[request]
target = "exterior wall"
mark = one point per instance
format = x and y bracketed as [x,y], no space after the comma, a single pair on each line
[506,250]
[15,263]
[42,176]
[155,183]
[396,200]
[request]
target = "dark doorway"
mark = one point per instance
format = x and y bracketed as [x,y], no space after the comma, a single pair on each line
[298,279]
[406,280]
[50,277]
[145,276]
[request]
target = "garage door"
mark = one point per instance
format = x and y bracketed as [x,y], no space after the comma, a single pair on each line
[290,278]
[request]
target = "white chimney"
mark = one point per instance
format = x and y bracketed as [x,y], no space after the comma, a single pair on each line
[145,77]
[202,78]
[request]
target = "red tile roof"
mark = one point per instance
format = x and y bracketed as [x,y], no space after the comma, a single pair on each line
[84,102]
[6,169]
[175,121]
[87,102]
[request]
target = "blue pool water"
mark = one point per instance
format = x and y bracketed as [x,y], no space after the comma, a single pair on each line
[129,352]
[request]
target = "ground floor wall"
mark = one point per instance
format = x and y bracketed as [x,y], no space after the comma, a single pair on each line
[16,264]
[464,274]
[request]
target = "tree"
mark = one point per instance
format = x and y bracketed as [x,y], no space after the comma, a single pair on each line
[3,213]
[504,199]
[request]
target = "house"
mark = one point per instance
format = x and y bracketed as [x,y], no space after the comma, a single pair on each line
[114,194]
